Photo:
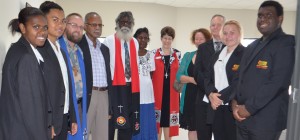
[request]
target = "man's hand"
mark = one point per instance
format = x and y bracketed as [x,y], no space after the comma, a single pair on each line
[74,127]
[235,109]
[215,101]
[243,112]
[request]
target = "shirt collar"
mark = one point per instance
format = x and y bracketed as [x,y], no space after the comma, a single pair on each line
[53,46]
[76,47]
[90,42]
[37,54]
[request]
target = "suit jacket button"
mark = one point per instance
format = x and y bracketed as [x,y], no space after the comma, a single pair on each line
[49,111]
[62,106]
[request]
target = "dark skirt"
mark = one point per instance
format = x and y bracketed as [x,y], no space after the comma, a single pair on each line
[188,117]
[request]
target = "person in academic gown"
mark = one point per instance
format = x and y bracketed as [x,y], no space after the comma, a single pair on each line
[25,112]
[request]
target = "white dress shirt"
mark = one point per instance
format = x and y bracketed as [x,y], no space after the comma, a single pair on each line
[110,43]
[64,71]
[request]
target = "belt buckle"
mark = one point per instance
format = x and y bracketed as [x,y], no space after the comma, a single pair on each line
[100,88]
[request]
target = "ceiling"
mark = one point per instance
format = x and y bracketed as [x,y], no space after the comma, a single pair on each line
[289,5]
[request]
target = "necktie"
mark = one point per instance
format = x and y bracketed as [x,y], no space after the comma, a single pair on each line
[127,62]
[218,46]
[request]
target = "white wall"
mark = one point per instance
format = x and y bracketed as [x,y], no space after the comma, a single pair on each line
[155,17]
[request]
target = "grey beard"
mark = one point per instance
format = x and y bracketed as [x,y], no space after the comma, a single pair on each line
[124,33]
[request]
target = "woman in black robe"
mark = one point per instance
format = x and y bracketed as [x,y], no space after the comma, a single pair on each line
[24,108]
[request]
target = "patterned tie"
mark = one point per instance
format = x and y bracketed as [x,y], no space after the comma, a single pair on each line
[218,46]
[127,62]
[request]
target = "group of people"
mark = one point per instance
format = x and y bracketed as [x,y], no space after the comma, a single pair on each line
[61,83]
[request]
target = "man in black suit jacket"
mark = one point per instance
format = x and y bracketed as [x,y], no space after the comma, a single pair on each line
[56,72]
[98,76]
[266,68]
[204,55]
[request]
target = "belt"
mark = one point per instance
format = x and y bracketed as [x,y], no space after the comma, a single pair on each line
[100,88]
[128,83]
[79,100]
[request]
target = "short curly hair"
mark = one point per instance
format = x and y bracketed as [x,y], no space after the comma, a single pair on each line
[167,31]
[205,32]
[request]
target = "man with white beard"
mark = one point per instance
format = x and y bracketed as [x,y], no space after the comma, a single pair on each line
[124,109]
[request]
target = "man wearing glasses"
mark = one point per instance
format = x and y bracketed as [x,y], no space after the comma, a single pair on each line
[125,90]
[69,43]
[96,59]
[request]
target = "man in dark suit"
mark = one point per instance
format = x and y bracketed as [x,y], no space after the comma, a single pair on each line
[55,71]
[98,76]
[204,55]
[266,68]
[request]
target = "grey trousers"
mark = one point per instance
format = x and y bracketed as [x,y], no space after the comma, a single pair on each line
[98,115]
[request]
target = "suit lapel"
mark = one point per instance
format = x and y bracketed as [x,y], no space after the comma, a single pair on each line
[211,49]
[260,46]
[30,51]
[232,61]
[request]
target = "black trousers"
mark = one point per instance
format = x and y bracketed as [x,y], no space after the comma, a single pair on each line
[224,127]
[245,134]
[123,134]
[64,130]
[204,130]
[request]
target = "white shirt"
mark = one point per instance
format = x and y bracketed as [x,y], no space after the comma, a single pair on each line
[221,80]
[37,54]
[110,43]
[146,65]
[64,71]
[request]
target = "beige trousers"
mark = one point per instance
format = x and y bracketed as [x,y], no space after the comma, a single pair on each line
[98,115]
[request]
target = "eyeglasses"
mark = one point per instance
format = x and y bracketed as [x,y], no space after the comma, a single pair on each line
[94,25]
[74,25]
[57,20]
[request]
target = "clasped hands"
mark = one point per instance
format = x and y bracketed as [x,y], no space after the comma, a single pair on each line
[239,112]
[214,99]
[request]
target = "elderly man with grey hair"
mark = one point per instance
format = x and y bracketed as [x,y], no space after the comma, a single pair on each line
[123,50]
[98,81]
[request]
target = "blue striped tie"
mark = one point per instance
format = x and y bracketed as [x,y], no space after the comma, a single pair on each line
[127,62]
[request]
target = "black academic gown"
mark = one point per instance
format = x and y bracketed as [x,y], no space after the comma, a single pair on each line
[25,112]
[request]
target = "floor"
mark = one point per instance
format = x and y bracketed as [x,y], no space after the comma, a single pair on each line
[183,135]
